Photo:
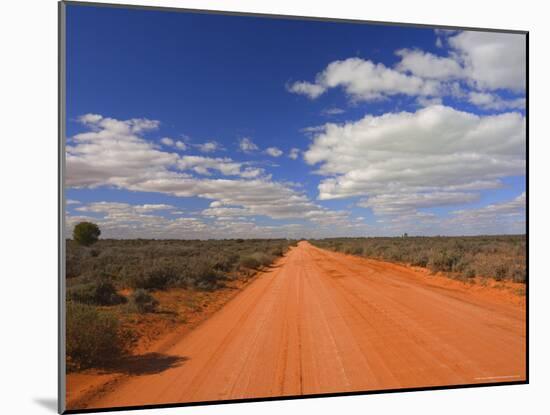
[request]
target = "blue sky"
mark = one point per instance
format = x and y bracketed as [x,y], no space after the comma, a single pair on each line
[186,125]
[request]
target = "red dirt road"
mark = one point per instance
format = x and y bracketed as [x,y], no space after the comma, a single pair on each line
[324,322]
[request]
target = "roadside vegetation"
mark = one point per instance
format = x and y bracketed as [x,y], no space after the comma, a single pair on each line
[500,257]
[113,286]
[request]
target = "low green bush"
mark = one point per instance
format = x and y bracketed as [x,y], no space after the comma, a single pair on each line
[155,278]
[500,272]
[143,302]
[249,262]
[203,276]
[256,260]
[99,292]
[519,275]
[93,337]
[420,260]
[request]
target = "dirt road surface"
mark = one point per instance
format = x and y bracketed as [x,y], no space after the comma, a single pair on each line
[324,322]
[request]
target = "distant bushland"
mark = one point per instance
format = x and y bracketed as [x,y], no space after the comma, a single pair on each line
[502,257]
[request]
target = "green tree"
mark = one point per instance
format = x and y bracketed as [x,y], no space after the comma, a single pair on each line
[86,233]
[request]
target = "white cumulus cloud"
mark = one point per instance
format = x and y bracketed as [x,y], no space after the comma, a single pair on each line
[427,65]
[364,80]
[425,154]
[114,153]
[492,60]
[408,203]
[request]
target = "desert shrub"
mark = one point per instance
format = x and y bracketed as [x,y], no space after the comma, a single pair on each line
[155,278]
[469,273]
[420,260]
[519,275]
[256,260]
[209,281]
[277,251]
[394,254]
[72,267]
[500,272]
[93,337]
[443,261]
[249,262]
[265,259]
[142,301]
[86,233]
[100,292]
[204,277]
[225,262]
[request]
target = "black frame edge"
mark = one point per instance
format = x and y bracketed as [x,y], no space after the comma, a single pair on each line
[291,397]
[61,87]
[285,16]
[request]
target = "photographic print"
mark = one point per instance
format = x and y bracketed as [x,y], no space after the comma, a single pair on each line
[266,207]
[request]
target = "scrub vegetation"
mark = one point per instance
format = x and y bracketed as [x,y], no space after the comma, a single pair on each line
[501,257]
[113,282]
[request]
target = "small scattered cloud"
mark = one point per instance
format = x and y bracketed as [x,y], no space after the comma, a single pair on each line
[308,89]
[313,129]
[209,146]
[273,151]
[226,166]
[167,141]
[332,111]
[170,142]
[90,118]
[247,145]
[491,101]
[294,153]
